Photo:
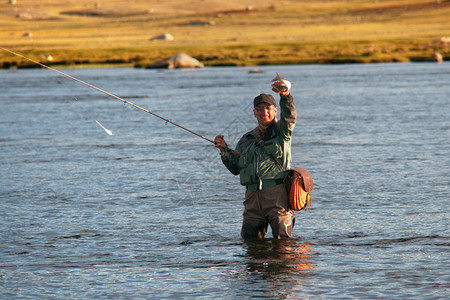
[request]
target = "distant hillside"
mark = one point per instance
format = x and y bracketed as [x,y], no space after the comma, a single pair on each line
[68,32]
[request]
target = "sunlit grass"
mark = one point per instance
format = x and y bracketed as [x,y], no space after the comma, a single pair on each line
[284,32]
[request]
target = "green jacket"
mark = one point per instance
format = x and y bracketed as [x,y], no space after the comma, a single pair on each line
[257,166]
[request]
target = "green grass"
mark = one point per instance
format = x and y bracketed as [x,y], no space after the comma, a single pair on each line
[287,32]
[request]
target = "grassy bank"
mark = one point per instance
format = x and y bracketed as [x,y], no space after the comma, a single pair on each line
[232,33]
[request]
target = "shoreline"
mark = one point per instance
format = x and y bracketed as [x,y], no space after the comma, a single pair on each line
[127,65]
[234,56]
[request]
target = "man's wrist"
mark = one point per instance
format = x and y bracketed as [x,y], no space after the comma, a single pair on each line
[224,153]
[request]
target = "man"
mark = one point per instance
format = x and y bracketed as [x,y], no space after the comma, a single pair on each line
[261,158]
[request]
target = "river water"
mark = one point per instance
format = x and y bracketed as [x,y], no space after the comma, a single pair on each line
[151,212]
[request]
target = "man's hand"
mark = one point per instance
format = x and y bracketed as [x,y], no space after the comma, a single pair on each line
[219,142]
[281,87]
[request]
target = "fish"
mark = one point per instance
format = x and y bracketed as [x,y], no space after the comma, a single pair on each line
[286,84]
[278,78]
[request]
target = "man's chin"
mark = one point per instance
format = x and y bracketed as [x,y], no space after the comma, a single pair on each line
[267,123]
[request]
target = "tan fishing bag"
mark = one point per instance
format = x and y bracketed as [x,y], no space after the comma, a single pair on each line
[299,185]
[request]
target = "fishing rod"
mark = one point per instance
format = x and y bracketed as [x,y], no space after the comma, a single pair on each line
[108,93]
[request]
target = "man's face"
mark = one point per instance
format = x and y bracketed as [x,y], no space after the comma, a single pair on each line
[265,114]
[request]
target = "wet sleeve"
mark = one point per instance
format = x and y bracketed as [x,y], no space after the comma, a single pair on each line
[231,160]
[288,116]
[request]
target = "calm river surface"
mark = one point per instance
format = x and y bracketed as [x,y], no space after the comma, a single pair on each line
[151,212]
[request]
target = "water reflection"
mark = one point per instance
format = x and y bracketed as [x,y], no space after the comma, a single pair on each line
[282,264]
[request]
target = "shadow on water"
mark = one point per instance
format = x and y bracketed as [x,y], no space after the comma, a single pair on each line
[277,268]
[273,256]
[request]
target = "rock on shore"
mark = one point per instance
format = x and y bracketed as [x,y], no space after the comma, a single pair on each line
[436,57]
[162,37]
[180,60]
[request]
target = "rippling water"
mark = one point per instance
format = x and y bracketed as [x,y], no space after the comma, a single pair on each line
[151,212]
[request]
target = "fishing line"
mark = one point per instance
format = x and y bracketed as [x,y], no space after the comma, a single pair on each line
[108,93]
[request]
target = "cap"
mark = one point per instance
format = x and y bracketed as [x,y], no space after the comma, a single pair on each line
[264,98]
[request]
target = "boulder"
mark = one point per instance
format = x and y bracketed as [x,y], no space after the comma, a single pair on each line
[48,57]
[180,60]
[443,41]
[436,57]
[25,16]
[163,37]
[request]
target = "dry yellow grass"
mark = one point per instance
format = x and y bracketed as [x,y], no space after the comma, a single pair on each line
[244,32]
